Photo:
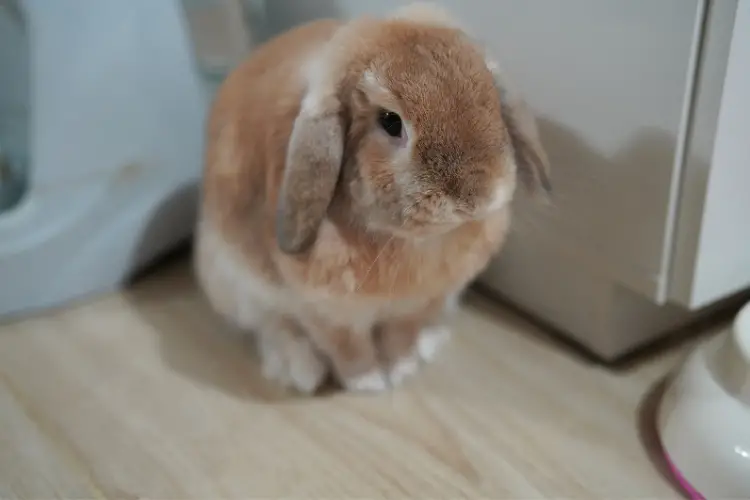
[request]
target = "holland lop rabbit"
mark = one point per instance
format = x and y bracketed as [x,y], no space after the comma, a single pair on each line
[358,176]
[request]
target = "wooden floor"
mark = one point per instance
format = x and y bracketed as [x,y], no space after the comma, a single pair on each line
[142,395]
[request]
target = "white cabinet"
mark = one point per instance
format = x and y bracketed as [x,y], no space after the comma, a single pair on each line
[643,107]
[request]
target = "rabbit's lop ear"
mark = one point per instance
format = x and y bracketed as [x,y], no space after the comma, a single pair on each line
[530,156]
[313,163]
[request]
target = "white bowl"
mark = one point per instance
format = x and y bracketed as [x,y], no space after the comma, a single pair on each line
[704,418]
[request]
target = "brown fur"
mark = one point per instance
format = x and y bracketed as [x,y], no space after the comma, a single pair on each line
[314,203]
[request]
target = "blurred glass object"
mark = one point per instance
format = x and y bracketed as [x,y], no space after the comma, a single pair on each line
[14,104]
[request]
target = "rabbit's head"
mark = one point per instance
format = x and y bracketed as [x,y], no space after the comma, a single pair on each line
[410,120]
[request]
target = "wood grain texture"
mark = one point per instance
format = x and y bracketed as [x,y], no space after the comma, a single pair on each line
[144,395]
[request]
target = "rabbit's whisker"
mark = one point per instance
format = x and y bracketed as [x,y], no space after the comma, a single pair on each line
[372,265]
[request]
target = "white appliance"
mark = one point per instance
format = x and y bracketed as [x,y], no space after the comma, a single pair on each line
[102,105]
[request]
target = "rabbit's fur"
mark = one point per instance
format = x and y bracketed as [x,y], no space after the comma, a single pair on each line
[340,246]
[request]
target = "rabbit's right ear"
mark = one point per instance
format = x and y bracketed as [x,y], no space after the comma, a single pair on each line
[531,157]
[313,163]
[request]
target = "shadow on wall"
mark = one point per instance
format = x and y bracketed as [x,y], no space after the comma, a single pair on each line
[615,203]
[283,14]
[645,159]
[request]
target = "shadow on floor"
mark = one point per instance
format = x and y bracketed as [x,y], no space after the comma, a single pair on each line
[490,302]
[199,344]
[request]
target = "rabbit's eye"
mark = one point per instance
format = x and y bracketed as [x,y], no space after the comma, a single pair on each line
[390,122]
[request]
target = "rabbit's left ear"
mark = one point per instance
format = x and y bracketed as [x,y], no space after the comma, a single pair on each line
[530,156]
[313,163]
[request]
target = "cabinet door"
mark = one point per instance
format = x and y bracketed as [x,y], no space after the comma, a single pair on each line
[609,80]
[712,248]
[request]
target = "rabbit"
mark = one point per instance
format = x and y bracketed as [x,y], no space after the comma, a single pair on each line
[358,176]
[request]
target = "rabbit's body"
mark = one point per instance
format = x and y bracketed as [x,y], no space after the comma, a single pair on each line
[354,268]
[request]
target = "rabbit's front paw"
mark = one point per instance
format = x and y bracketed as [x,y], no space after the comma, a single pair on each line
[405,349]
[431,340]
[405,364]
[375,380]
[289,358]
